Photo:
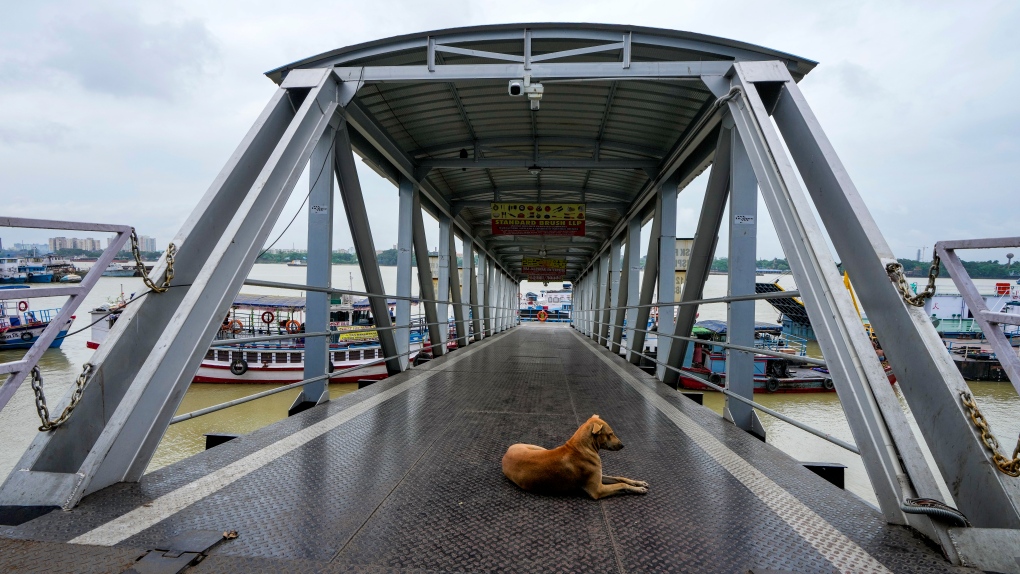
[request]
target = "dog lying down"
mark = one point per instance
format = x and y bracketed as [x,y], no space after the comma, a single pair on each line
[571,467]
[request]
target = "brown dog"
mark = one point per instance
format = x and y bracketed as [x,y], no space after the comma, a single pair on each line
[571,467]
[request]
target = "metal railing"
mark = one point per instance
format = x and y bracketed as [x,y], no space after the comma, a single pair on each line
[591,318]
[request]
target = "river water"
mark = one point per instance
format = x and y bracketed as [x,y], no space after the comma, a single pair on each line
[59,367]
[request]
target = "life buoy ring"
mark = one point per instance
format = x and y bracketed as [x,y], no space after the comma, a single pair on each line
[715,378]
[292,326]
[772,384]
[22,306]
[235,326]
[542,316]
[827,383]
[26,336]
[331,367]
[239,367]
[268,317]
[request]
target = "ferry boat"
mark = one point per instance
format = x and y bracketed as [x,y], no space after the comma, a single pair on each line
[552,306]
[20,325]
[35,271]
[771,374]
[297,263]
[281,362]
[119,270]
[9,272]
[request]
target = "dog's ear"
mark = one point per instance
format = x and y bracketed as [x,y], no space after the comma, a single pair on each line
[595,428]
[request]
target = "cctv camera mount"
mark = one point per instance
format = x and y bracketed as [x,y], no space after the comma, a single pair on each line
[524,86]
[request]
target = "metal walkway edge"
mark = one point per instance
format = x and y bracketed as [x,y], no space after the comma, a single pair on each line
[404,476]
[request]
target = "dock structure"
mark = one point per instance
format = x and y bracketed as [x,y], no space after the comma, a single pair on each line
[404,476]
[499,133]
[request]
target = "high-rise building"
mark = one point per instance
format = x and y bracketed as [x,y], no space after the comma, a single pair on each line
[146,243]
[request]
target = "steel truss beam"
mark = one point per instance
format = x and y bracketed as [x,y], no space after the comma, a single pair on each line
[879,428]
[497,144]
[927,376]
[150,357]
[541,162]
[593,71]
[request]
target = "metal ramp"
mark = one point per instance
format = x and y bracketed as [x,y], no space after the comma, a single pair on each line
[404,476]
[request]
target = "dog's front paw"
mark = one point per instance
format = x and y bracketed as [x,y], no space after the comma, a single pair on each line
[639,483]
[639,490]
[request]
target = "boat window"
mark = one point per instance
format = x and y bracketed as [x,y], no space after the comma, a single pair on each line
[223,356]
[235,355]
[355,355]
[340,356]
[281,357]
[295,358]
[252,357]
[209,355]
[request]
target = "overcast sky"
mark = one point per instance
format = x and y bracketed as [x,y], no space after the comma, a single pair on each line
[121,113]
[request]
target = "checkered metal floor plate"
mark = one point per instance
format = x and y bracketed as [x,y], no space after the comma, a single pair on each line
[404,476]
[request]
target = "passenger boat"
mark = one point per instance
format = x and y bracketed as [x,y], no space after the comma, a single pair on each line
[119,270]
[297,263]
[553,306]
[20,325]
[771,374]
[9,271]
[281,362]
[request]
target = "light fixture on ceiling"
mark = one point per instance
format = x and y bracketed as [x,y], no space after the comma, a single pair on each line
[535,169]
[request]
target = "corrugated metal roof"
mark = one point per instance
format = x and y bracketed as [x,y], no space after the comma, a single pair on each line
[639,119]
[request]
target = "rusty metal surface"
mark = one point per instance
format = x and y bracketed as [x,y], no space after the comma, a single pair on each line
[414,485]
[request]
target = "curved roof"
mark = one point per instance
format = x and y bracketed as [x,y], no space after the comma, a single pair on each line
[612,121]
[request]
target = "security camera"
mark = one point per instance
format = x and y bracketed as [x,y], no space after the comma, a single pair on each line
[516,88]
[525,86]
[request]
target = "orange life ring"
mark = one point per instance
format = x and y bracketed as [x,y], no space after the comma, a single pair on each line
[542,315]
[268,317]
[22,306]
[292,326]
[235,326]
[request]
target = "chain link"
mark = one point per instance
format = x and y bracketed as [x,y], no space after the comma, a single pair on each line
[40,398]
[171,250]
[1007,466]
[895,271]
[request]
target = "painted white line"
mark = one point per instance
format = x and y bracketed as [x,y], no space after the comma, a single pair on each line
[842,552]
[143,517]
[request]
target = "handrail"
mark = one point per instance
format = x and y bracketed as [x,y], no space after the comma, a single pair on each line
[763,408]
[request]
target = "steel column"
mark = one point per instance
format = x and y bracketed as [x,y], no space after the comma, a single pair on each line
[702,253]
[614,301]
[320,265]
[459,314]
[988,497]
[482,296]
[647,288]
[443,308]
[488,292]
[427,295]
[364,246]
[405,240]
[471,272]
[602,300]
[633,279]
[667,266]
[620,299]
[743,229]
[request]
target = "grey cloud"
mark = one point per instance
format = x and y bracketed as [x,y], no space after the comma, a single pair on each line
[114,51]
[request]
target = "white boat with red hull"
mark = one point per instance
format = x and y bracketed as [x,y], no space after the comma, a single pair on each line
[354,351]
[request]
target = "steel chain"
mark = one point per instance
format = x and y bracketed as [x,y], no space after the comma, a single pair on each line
[895,271]
[1007,466]
[40,398]
[171,250]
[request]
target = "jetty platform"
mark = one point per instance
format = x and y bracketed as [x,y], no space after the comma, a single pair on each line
[404,476]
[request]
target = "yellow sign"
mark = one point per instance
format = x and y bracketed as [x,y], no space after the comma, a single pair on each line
[538,263]
[537,218]
[678,285]
[358,335]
